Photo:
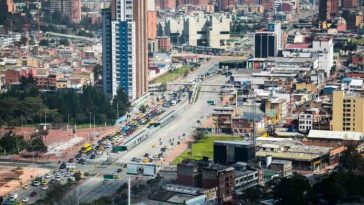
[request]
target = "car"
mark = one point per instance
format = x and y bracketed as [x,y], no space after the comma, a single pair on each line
[33,194]
[105,181]
[71,160]
[44,187]
[63,166]
[45,182]
[26,187]
[82,161]
[13,197]
[58,178]
[25,199]
[47,176]
[92,156]
[36,183]
[119,170]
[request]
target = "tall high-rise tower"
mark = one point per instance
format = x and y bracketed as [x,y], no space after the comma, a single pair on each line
[328,9]
[125,47]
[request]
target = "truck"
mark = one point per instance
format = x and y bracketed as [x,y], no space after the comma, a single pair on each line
[211,102]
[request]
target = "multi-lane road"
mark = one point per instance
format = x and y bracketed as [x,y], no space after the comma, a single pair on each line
[185,123]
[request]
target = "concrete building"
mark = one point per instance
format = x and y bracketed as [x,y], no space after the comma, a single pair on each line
[152,20]
[152,24]
[347,112]
[209,176]
[283,167]
[222,117]
[64,6]
[75,11]
[305,121]
[230,152]
[193,2]
[70,8]
[166,4]
[125,48]
[336,137]
[164,43]
[266,44]
[244,178]
[328,9]
[203,30]
[349,4]
[221,177]
[303,157]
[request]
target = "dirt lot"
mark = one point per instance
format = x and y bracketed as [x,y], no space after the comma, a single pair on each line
[62,143]
[9,181]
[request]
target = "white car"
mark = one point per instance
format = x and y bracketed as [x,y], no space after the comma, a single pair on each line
[25,199]
[58,178]
[44,187]
[36,183]
[48,176]
[13,197]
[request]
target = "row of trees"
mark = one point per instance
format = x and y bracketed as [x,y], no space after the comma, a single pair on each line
[25,104]
[11,143]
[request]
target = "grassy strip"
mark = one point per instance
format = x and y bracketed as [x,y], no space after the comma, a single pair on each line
[198,93]
[204,147]
[172,75]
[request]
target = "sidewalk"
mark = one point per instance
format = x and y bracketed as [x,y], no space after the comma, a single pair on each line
[178,150]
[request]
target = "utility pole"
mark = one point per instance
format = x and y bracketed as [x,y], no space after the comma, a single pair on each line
[90,120]
[94,123]
[117,110]
[129,191]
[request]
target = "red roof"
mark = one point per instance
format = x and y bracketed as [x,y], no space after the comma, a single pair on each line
[298,46]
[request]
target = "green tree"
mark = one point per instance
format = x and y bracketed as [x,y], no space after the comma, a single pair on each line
[198,134]
[37,145]
[252,194]
[64,42]
[77,176]
[120,102]
[351,159]
[18,171]
[295,190]
[12,143]
[185,73]
[142,109]
[44,43]
[97,72]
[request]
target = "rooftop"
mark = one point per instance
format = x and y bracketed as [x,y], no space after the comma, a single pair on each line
[244,143]
[182,189]
[336,135]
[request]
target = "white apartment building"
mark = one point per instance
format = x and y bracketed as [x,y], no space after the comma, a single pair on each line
[200,29]
[305,121]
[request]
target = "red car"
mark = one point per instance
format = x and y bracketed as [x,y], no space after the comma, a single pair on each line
[33,194]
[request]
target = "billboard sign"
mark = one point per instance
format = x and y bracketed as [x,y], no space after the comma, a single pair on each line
[143,169]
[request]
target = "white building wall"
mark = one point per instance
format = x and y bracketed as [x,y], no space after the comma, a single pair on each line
[305,122]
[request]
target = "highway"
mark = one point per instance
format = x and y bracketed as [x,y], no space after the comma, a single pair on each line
[185,123]
[94,186]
